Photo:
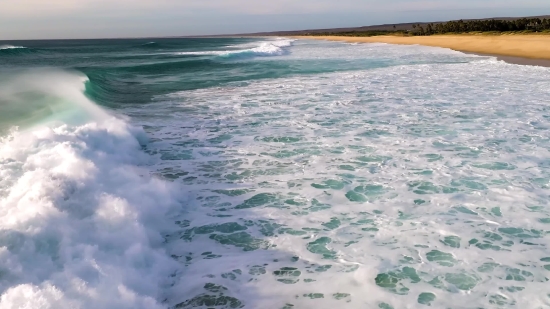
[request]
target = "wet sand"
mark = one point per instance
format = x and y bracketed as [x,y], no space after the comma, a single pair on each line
[515,48]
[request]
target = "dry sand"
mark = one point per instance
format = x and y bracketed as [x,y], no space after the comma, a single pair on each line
[512,48]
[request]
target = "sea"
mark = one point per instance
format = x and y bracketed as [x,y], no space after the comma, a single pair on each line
[271,173]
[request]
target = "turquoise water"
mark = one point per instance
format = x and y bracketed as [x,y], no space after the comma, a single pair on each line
[271,173]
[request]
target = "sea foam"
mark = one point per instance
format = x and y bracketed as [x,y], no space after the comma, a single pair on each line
[421,182]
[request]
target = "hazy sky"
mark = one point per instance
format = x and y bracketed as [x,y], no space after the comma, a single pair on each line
[44,19]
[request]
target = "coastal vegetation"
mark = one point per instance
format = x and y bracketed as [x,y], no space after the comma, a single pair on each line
[488,26]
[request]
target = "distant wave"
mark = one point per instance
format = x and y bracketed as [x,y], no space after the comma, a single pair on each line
[271,48]
[14,50]
[3,47]
[149,44]
[265,49]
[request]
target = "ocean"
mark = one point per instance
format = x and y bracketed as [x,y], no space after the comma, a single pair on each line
[271,173]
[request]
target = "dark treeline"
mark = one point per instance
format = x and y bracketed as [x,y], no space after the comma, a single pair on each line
[490,25]
[523,25]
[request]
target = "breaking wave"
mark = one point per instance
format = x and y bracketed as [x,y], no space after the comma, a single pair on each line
[265,49]
[81,224]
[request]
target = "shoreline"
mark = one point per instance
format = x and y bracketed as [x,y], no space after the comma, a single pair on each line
[533,50]
[516,60]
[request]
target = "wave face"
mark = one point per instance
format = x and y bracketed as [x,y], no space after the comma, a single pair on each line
[270,173]
[81,226]
[150,45]
[36,96]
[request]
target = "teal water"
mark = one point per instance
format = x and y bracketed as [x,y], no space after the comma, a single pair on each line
[270,173]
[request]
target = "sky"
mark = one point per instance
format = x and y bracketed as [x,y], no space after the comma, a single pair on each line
[58,19]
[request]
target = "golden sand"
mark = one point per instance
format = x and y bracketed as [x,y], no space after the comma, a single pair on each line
[518,45]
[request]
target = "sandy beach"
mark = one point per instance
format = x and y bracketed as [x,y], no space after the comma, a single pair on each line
[519,49]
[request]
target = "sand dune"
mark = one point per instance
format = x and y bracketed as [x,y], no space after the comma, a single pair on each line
[526,46]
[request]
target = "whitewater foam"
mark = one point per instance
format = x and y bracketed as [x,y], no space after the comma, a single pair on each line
[417,183]
[81,225]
